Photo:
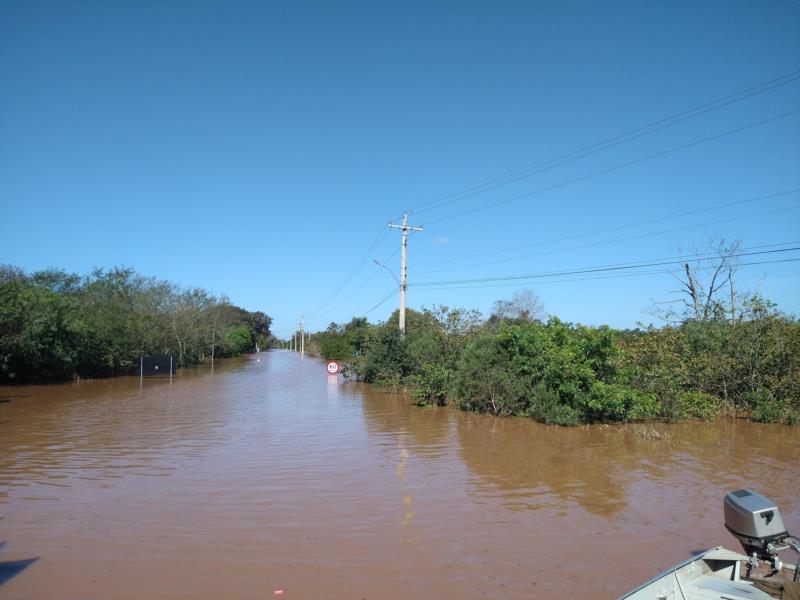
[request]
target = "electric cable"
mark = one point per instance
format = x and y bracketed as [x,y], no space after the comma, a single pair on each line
[597,269]
[596,277]
[368,279]
[615,228]
[614,241]
[610,142]
[617,167]
[376,242]
[380,303]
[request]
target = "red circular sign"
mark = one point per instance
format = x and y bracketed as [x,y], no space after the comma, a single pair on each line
[332,367]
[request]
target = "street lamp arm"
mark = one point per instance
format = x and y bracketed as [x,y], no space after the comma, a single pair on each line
[380,264]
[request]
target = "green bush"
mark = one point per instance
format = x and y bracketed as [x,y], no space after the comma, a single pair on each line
[568,374]
[484,380]
[431,386]
[238,339]
[390,380]
[386,358]
[554,372]
[752,363]
[694,405]
[766,408]
[342,342]
[545,406]
[423,350]
[617,402]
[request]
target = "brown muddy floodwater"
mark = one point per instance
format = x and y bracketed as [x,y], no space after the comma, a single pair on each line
[266,475]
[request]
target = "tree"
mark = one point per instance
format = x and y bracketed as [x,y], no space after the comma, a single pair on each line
[259,325]
[40,332]
[239,339]
[356,334]
[707,286]
[453,329]
[332,343]
[525,306]
[185,314]
[55,325]
[217,318]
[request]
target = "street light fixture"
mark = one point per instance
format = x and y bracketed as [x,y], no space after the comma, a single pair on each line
[380,264]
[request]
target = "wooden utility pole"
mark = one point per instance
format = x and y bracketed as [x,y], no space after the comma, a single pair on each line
[404,229]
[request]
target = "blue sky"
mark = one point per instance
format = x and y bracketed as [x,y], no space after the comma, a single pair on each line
[258,149]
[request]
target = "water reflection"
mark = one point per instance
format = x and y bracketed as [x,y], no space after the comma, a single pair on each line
[603,469]
[428,431]
[401,432]
[57,435]
[532,466]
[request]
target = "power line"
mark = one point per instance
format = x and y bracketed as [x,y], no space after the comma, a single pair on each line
[616,240]
[381,302]
[599,269]
[365,282]
[368,279]
[632,237]
[618,167]
[600,277]
[376,242]
[609,142]
[405,229]
[604,268]
[617,227]
[585,151]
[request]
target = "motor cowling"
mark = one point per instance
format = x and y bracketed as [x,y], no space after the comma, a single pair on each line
[756,522]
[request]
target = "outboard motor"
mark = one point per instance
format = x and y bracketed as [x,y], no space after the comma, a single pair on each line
[756,522]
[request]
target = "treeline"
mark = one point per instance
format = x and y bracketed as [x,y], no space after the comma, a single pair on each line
[718,361]
[56,325]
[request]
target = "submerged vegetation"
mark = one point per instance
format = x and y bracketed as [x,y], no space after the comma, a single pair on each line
[56,326]
[745,362]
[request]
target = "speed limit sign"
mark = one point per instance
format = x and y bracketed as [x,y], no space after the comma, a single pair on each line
[332,367]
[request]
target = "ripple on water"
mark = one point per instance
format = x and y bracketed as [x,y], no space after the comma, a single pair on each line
[266,475]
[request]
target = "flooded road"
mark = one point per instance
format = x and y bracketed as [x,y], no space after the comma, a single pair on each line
[266,475]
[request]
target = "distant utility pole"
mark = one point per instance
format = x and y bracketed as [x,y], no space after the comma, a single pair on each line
[302,337]
[404,229]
